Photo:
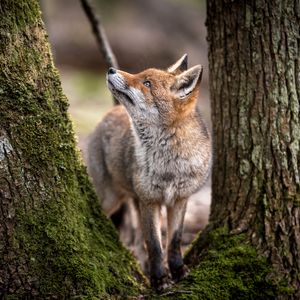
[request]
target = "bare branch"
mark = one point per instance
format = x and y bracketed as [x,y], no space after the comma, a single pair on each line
[100,36]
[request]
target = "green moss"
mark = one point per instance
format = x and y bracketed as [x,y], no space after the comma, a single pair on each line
[229,268]
[297,200]
[72,247]
[17,14]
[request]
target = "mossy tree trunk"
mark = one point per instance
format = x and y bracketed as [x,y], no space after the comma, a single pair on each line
[254,58]
[54,241]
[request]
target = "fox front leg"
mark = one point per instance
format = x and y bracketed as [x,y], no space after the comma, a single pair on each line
[175,214]
[150,221]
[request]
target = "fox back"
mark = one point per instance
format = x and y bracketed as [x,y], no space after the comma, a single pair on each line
[155,149]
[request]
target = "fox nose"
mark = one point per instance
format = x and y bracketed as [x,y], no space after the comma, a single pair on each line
[112,71]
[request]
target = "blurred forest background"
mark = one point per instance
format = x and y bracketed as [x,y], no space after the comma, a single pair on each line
[142,34]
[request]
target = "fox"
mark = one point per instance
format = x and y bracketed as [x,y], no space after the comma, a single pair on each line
[155,149]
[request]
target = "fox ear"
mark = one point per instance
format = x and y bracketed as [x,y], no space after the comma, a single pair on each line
[187,81]
[180,65]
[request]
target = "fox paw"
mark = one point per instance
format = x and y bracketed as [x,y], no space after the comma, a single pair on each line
[179,273]
[160,284]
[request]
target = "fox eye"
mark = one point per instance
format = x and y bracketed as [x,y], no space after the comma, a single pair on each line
[147,83]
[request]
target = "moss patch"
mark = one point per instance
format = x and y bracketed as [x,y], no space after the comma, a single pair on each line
[28,13]
[229,268]
[72,248]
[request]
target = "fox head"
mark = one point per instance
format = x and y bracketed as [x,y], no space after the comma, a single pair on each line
[156,97]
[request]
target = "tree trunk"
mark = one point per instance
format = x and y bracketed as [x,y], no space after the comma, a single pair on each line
[254,58]
[54,241]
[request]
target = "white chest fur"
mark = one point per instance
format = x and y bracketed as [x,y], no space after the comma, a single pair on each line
[165,171]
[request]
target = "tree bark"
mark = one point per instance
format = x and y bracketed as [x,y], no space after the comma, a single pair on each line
[254,59]
[54,241]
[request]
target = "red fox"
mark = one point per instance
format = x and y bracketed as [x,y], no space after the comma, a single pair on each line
[155,149]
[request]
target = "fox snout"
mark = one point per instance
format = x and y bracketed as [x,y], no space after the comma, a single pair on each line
[126,93]
[119,88]
[115,80]
[112,71]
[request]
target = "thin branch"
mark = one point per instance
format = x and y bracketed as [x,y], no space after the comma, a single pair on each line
[100,35]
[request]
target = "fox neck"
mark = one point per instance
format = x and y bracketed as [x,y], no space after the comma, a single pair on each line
[151,136]
[172,138]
